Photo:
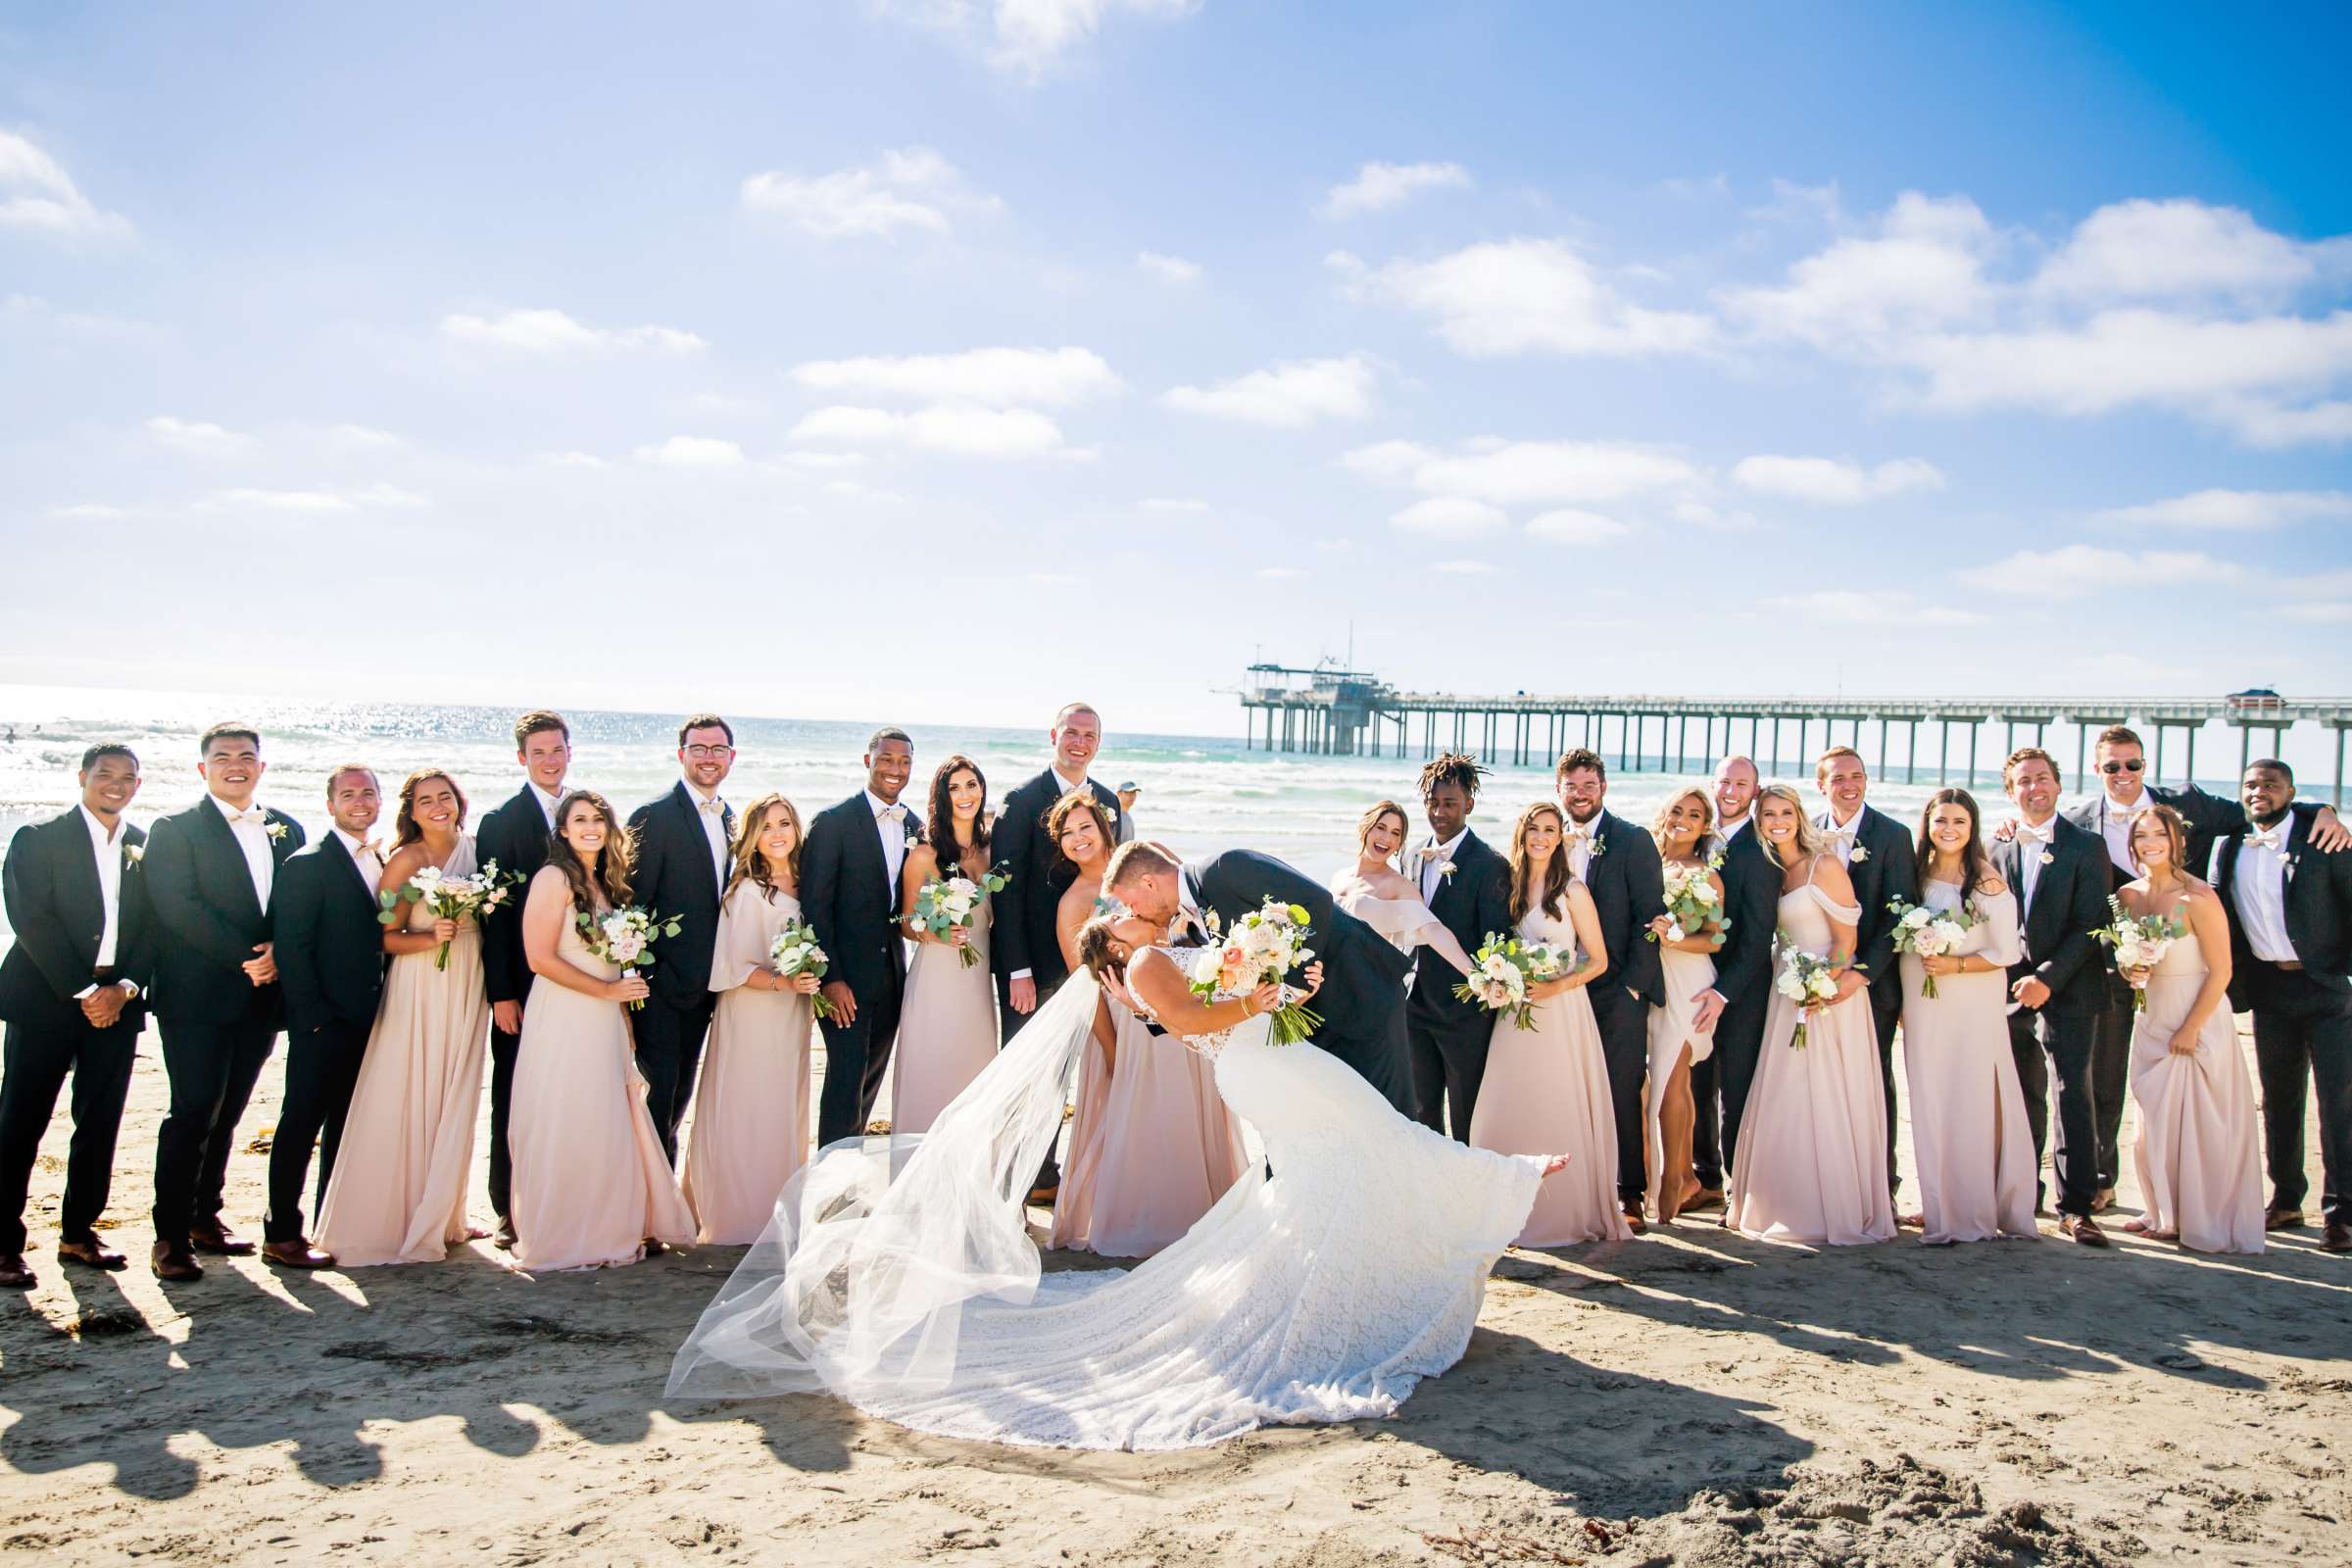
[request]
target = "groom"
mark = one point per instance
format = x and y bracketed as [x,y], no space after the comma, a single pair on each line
[1362,1000]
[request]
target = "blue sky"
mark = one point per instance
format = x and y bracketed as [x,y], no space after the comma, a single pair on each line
[935,358]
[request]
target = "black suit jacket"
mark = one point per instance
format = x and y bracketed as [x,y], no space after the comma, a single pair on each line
[675,877]
[2069,902]
[849,898]
[1023,935]
[2319,909]
[1887,869]
[2207,817]
[1364,972]
[1474,904]
[207,920]
[1751,901]
[58,913]
[515,836]
[330,946]
[1628,884]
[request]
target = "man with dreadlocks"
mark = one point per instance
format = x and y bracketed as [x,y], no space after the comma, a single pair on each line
[1467,887]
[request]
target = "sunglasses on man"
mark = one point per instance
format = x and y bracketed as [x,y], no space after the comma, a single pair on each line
[2133,765]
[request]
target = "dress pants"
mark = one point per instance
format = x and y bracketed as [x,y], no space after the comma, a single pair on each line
[2040,1041]
[2111,1082]
[38,1059]
[856,1056]
[1008,1024]
[1624,1021]
[504,1048]
[322,1067]
[1706,1140]
[1885,1012]
[1738,1048]
[1447,1066]
[2303,1030]
[213,1067]
[669,1051]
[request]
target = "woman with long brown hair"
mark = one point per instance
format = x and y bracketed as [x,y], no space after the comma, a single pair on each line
[1547,1087]
[1683,828]
[1384,898]
[398,1192]
[591,1186]
[751,1105]
[948,1023]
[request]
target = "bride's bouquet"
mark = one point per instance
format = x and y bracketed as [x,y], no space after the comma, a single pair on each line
[625,937]
[448,897]
[1804,979]
[795,953]
[1507,967]
[1927,933]
[1261,948]
[2140,942]
[1693,902]
[943,905]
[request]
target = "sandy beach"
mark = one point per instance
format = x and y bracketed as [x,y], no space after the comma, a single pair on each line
[1692,1397]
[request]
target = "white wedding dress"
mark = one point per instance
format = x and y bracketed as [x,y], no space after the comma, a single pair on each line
[1324,1292]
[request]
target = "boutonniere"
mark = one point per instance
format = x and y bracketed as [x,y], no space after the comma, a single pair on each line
[1214,922]
[276,830]
[1445,869]
[2292,861]
[1600,847]
[133,854]
[2048,858]
[1857,855]
[913,830]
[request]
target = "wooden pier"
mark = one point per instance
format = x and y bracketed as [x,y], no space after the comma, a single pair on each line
[1344,712]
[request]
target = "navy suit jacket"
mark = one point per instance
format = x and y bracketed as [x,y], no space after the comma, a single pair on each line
[208,921]
[58,913]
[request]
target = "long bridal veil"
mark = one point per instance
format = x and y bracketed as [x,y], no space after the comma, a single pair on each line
[861,1277]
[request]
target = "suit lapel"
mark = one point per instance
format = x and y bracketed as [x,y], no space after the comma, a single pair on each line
[228,854]
[81,868]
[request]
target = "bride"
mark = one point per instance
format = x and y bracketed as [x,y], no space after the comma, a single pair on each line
[1323,1293]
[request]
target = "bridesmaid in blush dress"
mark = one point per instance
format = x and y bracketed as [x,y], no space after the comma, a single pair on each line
[397,1193]
[591,1186]
[1677,1042]
[1970,1139]
[1153,1146]
[948,1025]
[1548,1088]
[2199,1155]
[750,1107]
[1811,1165]
[1384,898]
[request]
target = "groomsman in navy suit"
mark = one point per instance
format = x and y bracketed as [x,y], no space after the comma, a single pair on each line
[72,990]
[1467,886]
[516,834]
[1618,863]
[849,896]
[330,962]
[1881,858]
[1741,995]
[682,842]
[2291,945]
[210,873]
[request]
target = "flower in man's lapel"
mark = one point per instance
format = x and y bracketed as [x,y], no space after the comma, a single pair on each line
[1445,869]
[1857,855]
[1214,922]
[2048,858]
[276,830]
[133,854]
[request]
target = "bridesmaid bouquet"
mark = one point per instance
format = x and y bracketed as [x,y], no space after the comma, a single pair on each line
[2140,942]
[625,937]
[1507,967]
[1261,948]
[1804,979]
[448,897]
[1929,933]
[795,953]
[1694,901]
[940,906]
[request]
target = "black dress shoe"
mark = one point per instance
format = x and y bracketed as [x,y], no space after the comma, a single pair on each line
[2337,1238]
[14,1274]
[2278,1217]
[216,1239]
[1633,1220]
[90,1255]
[174,1260]
[504,1241]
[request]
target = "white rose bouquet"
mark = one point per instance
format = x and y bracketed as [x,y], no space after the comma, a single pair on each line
[1693,902]
[1804,979]
[448,897]
[2140,942]
[945,904]
[625,937]
[1930,933]
[1505,967]
[1261,948]
[795,953]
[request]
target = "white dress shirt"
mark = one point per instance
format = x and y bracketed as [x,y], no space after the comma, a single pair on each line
[1842,835]
[714,814]
[107,848]
[2033,843]
[1578,840]
[890,823]
[363,860]
[252,829]
[2260,892]
[547,803]
[2115,826]
[1431,881]
[1723,834]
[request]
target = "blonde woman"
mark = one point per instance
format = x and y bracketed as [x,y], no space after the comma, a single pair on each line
[1811,1163]
[1684,830]
[750,1107]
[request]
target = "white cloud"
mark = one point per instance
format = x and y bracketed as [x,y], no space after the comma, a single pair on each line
[1285,395]
[2173,249]
[1026,38]
[546,332]
[823,462]
[360,437]
[1848,607]
[1514,472]
[1834,482]
[1572,525]
[958,431]
[36,193]
[1450,517]
[1525,296]
[1171,269]
[311,502]
[692,452]
[1377,187]
[2330,612]
[999,377]
[1923,266]
[1463,569]
[1699,514]
[2236,510]
[2072,571]
[387,495]
[1172,504]
[910,188]
[197,437]
[575,460]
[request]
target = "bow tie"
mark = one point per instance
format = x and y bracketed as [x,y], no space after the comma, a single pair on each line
[1430,851]
[895,813]
[714,807]
[2045,834]
[1839,838]
[252,813]
[2273,839]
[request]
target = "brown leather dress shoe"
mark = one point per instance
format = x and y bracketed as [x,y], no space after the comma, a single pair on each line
[216,1239]
[1704,1198]
[2337,1238]
[505,1240]
[296,1253]
[1042,1197]
[1633,1221]
[14,1274]
[2082,1228]
[2278,1217]
[173,1260]
[90,1255]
